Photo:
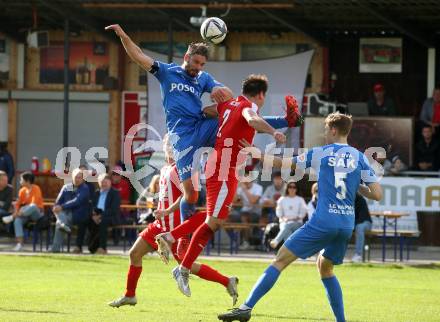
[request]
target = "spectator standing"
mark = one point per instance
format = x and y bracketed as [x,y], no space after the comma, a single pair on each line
[29,206]
[6,162]
[271,196]
[108,201]
[249,193]
[380,104]
[430,114]
[5,195]
[427,151]
[311,206]
[291,211]
[362,224]
[72,207]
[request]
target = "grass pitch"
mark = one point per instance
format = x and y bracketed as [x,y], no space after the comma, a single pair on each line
[77,288]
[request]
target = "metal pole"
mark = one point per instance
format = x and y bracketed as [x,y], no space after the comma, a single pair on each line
[170,41]
[66,85]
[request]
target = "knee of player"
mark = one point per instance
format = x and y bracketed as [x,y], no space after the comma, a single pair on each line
[325,267]
[134,254]
[279,264]
[214,223]
[192,196]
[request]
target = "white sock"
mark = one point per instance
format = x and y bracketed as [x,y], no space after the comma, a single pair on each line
[244,307]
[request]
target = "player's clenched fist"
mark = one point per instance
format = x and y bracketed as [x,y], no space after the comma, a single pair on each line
[279,137]
[117,29]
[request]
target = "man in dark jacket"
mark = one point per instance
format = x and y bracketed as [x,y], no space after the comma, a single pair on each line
[108,201]
[427,151]
[72,207]
[5,195]
[6,162]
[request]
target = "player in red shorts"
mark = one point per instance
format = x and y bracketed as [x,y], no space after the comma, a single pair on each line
[167,218]
[238,119]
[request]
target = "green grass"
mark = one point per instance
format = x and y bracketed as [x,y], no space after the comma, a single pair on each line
[71,288]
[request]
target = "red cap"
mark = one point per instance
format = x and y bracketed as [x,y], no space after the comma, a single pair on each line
[378,88]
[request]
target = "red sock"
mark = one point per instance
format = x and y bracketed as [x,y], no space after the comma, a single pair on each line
[208,273]
[189,226]
[199,240]
[132,279]
[182,247]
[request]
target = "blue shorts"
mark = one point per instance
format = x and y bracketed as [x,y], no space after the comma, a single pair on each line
[186,145]
[309,240]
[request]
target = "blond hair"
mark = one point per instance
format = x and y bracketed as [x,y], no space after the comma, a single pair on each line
[75,172]
[151,186]
[340,122]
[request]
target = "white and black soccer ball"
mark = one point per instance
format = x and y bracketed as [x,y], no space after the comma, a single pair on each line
[213,30]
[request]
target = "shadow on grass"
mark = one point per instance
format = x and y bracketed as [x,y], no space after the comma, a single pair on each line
[290,318]
[84,259]
[295,318]
[29,311]
[433,266]
[427,266]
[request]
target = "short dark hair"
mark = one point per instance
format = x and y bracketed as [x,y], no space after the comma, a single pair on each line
[427,126]
[254,84]
[277,174]
[28,177]
[198,48]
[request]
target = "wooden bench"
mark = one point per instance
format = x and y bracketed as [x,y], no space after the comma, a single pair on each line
[404,237]
[233,229]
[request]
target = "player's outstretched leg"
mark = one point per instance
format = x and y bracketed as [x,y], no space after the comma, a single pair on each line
[199,240]
[139,249]
[206,272]
[261,287]
[332,287]
[165,240]
[210,274]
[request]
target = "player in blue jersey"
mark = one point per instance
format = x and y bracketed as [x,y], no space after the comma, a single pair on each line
[182,88]
[342,171]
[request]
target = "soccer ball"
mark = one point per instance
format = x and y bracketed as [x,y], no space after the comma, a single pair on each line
[213,30]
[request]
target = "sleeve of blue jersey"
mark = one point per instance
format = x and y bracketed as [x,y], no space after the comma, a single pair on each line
[367,173]
[159,69]
[210,83]
[303,160]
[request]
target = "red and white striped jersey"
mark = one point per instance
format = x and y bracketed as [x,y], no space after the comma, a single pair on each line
[169,191]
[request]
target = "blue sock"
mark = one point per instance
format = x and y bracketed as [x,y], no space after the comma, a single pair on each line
[334,295]
[186,209]
[263,285]
[277,122]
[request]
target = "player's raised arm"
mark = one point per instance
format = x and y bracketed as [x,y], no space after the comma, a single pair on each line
[133,50]
[220,94]
[260,125]
[371,191]
[277,161]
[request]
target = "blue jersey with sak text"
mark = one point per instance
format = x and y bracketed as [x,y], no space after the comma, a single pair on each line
[340,169]
[181,95]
